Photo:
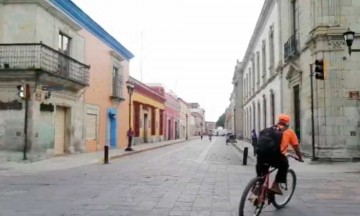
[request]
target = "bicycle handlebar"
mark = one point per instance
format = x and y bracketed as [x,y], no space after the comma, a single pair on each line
[296,158]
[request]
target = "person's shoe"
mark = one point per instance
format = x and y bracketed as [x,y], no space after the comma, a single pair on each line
[256,189]
[276,188]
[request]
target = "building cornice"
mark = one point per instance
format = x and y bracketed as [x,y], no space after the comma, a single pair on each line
[143,89]
[74,12]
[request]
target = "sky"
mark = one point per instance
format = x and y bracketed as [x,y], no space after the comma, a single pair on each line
[189,46]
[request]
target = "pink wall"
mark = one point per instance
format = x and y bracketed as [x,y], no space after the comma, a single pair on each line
[97,55]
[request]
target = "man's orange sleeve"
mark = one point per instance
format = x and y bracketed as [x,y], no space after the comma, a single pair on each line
[293,139]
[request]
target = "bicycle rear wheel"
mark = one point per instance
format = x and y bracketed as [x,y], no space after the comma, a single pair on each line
[288,190]
[253,208]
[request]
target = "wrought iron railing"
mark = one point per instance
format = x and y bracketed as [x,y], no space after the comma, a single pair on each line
[38,56]
[290,48]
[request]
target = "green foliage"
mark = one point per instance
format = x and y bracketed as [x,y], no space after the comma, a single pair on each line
[221,121]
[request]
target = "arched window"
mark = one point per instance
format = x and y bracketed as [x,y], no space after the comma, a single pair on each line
[245,123]
[264,111]
[272,105]
[250,121]
[254,116]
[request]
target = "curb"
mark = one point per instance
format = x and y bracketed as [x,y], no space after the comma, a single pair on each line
[143,150]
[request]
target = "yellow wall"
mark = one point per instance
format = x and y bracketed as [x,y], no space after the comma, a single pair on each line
[148,101]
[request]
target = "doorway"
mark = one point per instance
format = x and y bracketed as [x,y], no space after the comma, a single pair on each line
[146,128]
[112,127]
[60,127]
[297,121]
[169,129]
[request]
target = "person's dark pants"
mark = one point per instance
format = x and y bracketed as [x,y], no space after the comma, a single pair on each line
[280,162]
[254,142]
[129,141]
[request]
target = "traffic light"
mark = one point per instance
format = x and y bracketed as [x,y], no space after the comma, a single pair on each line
[319,69]
[21,91]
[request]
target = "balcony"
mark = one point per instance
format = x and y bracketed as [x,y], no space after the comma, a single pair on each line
[37,59]
[291,48]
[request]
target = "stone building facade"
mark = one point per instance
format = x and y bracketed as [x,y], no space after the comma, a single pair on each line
[257,75]
[306,31]
[37,54]
[47,47]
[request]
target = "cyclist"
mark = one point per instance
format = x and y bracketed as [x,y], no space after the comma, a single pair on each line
[279,160]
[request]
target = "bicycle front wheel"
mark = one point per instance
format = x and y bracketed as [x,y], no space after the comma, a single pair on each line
[288,190]
[249,204]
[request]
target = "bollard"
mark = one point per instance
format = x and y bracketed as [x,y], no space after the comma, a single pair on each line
[106,154]
[245,156]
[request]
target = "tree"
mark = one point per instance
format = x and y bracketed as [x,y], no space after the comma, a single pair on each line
[221,121]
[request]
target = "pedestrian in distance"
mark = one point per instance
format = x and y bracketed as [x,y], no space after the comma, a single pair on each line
[130,135]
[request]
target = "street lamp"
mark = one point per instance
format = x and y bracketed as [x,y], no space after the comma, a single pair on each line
[130,87]
[186,136]
[349,38]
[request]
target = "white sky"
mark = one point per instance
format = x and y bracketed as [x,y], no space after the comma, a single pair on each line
[190,46]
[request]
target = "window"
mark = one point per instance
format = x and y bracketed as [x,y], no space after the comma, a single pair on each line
[272,104]
[246,86]
[91,125]
[153,121]
[64,44]
[137,119]
[264,111]
[246,122]
[250,82]
[253,70]
[254,117]
[64,48]
[263,53]
[161,127]
[295,22]
[117,80]
[250,120]
[258,69]
[272,51]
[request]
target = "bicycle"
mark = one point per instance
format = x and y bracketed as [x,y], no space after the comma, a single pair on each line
[259,188]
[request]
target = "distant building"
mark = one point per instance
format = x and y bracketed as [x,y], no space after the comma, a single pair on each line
[210,127]
[199,115]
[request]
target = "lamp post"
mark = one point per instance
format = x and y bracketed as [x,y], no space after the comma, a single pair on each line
[186,135]
[349,38]
[130,87]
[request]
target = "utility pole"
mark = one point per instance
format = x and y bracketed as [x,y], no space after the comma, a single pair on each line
[26,98]
[312,113]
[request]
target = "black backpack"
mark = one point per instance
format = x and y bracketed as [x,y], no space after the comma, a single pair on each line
[269,141]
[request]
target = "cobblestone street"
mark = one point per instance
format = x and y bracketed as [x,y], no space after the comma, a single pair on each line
[199,178]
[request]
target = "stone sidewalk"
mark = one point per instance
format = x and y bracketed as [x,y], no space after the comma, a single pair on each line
[10,168]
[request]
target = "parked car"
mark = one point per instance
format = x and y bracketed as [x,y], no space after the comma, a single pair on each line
[230,138]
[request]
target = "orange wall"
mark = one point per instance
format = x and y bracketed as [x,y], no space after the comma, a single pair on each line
[97,55]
